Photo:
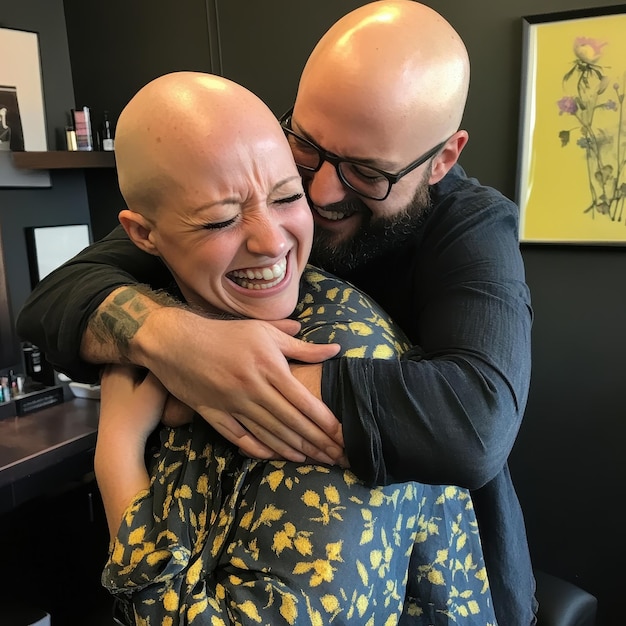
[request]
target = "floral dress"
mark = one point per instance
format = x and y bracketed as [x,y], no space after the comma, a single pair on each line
[222,539]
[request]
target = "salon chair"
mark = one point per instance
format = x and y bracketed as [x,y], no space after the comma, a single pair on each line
[11,615]
[562,603]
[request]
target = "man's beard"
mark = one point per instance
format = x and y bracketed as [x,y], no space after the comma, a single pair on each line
[375,237]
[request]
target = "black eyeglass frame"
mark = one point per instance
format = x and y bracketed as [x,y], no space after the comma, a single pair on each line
[333,159]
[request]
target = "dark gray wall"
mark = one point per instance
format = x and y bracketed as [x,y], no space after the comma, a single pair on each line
[65,202]
[34,540]
[116,48]
[568,463]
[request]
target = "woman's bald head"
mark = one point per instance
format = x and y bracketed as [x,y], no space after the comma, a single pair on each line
[177,121]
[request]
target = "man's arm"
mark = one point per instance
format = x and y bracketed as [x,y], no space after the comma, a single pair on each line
[234,373]
[449,410]
[236,388]
[56,314]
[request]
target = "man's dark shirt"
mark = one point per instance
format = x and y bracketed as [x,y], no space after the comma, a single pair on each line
[448,412]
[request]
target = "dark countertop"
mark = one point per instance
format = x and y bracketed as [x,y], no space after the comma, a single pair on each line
[44,448]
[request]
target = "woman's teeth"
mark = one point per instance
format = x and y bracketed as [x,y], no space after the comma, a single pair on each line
[270,276]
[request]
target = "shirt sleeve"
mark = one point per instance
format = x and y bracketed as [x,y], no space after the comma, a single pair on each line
[56,313]
[168,544]
[448,411]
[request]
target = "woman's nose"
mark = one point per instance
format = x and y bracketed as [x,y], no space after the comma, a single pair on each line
[267,237]
[325,186]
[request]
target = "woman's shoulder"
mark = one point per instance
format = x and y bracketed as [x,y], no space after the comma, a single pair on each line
[333,310]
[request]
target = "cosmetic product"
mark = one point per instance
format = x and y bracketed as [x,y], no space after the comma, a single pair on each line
[33,359]
[107,143]
[82,126]
[70,138]
[6,390]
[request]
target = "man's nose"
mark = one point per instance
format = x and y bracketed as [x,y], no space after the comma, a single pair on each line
[325,186]
[267,237]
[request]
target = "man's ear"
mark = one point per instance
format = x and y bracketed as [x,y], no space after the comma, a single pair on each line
[448,156]
[138,228]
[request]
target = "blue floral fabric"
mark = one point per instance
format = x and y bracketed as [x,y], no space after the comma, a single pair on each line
[221,539]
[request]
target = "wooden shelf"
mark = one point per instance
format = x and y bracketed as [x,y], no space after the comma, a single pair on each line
[63,159]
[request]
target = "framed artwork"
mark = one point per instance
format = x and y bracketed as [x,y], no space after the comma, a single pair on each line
[48,247]
[571,183]
[22,113]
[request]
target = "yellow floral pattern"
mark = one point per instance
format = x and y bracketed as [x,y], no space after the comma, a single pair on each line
[219,539]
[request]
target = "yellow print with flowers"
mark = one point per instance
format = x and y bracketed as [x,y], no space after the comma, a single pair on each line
[220,539]
[573,183]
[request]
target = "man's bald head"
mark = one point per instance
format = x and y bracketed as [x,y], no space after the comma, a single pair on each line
[396,58]
[385,87]
[180,121]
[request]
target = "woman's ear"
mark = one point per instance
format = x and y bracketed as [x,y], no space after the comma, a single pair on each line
[138,229]
[448,156]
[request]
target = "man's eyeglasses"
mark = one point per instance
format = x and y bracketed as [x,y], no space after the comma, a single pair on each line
[369,182]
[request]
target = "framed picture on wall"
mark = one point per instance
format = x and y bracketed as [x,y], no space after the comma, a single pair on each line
[22,113]
[571,183]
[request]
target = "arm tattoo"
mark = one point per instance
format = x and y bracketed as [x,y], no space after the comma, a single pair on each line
[117,322]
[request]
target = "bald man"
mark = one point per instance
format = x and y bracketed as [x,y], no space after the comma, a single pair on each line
[375,132]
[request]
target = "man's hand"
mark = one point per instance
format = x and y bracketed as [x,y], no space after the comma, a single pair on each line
[236,375]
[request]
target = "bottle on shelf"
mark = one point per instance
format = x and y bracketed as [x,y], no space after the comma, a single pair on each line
[107,140]
[70,133]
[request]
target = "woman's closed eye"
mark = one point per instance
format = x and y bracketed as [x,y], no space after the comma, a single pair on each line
[218,225]
[282,201]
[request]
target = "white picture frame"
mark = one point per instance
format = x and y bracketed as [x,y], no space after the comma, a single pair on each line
[50,246]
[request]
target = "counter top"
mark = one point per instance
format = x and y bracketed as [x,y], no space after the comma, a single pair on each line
[44,448]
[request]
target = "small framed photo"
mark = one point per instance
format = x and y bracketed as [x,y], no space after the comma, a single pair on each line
[11,135]
[48,247]
[571,181]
